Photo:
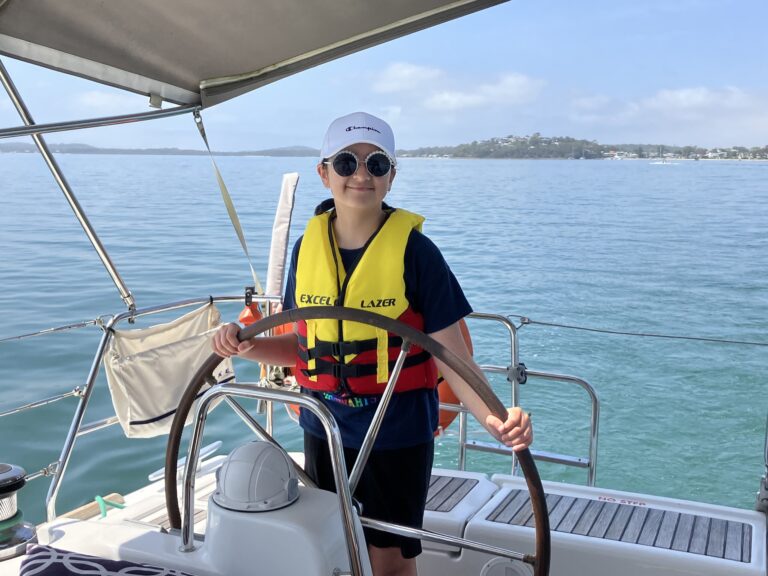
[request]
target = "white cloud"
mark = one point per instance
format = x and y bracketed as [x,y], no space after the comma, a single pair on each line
[454,100]
[698,100]
[405,77]
[689,103]
[588,103]
[511,89]
[391,113]
[602,110]
[430,84]
[707,116]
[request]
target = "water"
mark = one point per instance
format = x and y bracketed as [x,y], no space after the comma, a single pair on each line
[628,246]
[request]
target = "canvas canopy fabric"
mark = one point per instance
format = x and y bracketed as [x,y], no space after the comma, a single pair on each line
[203,52]
[148,370]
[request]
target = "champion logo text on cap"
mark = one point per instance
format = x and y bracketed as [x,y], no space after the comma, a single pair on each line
[357,128]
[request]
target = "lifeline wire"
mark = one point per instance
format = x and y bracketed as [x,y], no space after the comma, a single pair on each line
[524,320]
[96,322]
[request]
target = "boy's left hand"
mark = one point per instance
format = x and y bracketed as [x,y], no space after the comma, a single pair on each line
[516,432]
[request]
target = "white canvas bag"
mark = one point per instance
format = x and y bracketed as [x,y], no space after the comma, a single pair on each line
[148,369]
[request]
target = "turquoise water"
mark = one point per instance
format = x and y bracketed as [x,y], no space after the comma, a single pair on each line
[626,246]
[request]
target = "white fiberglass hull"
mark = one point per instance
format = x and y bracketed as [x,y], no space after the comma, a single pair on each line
[594,531]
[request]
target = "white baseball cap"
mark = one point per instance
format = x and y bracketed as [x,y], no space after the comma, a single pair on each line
[357,128]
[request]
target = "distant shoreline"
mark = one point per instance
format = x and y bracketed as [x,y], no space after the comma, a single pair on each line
[140,152]
[24,148]
[517,149]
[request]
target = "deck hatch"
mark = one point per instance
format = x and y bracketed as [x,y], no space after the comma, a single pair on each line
[445,492]
[642,525]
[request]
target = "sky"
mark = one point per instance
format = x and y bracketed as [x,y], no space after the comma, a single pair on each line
[674,72]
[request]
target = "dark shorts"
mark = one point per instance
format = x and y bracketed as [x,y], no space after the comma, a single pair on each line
[393,487]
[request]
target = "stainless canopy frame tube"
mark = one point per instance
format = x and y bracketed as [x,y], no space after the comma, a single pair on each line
[429,536]
[75,426]
[334,445]
[32,129]
[21,108]
[378,418]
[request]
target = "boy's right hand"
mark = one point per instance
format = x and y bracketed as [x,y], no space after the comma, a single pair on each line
[226,344]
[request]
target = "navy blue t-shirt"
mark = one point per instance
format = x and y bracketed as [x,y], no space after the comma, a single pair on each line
[412,417]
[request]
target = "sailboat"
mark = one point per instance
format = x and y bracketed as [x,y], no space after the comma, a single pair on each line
[254,510]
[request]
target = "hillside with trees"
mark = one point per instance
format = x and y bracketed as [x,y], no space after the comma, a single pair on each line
[563,147]
[535,146]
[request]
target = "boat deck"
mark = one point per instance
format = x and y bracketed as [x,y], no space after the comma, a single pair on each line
[644,525]
[594,531]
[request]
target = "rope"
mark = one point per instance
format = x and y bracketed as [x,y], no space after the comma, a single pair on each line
[228,204]
[104,503]
[524,320]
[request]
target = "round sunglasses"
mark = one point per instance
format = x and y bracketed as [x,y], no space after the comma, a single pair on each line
[345,163]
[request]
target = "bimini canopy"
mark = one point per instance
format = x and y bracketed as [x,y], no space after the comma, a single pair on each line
[206,51]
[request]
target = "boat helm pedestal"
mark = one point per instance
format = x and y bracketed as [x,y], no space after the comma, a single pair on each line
[15,534]
[259,516]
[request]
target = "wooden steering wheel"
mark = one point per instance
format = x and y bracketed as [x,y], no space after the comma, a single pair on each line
[540,561]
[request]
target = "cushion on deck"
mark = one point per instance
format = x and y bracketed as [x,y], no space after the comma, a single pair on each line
[49,561]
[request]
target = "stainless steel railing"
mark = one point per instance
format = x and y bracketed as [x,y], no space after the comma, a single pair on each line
[516,374]
[332,432]
[56,470]
[513,372]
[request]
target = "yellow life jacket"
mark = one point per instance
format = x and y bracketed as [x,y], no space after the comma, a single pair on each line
[347,357]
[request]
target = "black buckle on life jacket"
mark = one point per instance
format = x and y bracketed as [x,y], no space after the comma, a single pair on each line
[335,347]
[343,371]
[335,369]
[341,350]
